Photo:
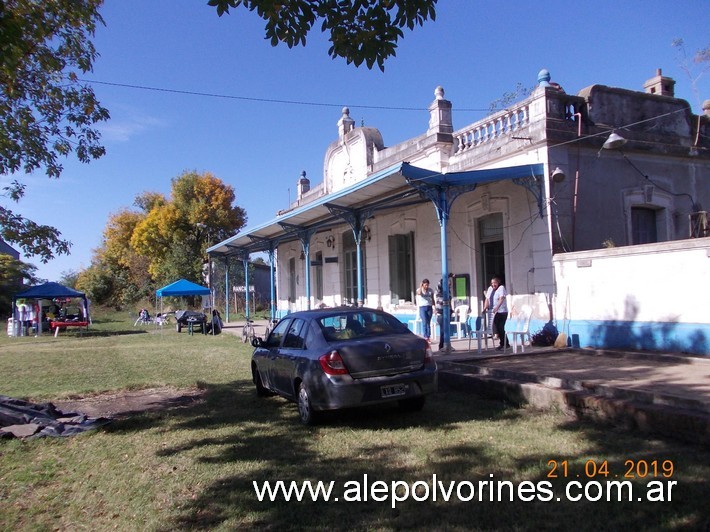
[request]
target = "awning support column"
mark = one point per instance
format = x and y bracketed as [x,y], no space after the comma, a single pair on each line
[272,283]
[356,219]
[443,196]
[226,289]
[244,257]
[271,251]
[304,235]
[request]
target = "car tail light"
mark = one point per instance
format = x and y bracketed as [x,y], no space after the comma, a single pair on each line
[332,363]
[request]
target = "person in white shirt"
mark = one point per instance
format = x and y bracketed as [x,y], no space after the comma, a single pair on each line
[425,305]
[496,302]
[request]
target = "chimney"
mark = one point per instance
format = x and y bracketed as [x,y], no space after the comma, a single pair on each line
[660,84]
[440,114]
[304,185]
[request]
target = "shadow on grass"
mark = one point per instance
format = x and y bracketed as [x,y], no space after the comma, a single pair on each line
[102,334]
[676,470]
[259,440]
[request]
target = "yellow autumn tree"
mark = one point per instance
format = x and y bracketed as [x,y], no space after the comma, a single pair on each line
[162,242]
[175,234]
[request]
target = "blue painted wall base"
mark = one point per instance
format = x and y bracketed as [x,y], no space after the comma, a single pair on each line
[669,337]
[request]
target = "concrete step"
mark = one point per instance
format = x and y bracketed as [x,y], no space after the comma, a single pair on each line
[650,397]
[645,410]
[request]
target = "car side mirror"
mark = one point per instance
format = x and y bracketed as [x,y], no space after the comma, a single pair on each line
[257,342]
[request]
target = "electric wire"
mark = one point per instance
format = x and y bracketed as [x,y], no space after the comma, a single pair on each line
[355,106]
[606,132]
[530,220]
[262,100]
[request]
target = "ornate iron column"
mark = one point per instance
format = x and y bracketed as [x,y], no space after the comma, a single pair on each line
[304,235]
[442,196]
[356,219]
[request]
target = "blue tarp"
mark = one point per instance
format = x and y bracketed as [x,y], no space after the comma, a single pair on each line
[183,287]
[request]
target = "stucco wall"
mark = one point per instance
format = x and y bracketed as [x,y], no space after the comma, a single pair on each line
[652,297]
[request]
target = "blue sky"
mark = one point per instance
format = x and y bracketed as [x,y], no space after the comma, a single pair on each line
[476,50]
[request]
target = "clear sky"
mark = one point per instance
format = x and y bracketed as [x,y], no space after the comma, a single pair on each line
[276,109]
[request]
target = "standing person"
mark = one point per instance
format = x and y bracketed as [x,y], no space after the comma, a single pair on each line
[496,302]
[425,304]
[439,306]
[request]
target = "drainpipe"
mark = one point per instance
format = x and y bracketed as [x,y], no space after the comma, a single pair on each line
[576,184]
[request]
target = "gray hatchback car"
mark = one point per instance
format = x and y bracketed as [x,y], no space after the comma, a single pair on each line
[343,357]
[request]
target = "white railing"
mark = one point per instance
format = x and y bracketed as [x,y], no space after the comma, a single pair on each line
[495,126]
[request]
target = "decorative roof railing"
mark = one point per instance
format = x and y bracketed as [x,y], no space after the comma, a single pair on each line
[498,125]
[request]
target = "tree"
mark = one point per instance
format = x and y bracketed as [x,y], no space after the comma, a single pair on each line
[164,241]
[176,232]
[360,30]
[98,284]
[12,274]
[504,101]
[45,112]
[694,67]
[121,275]
[69,278]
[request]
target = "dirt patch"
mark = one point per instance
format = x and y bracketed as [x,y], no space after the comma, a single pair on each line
[132,402]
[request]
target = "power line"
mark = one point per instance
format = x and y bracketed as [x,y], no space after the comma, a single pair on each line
[262,100]
[611,128]
[356,106]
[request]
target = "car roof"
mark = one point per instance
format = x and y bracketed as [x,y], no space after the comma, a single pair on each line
[332,311]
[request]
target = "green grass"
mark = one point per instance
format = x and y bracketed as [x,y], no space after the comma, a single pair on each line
[193,467]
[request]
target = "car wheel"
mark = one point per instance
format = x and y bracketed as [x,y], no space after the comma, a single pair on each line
[178,326]
[412,404]
[261,390]
[306,414]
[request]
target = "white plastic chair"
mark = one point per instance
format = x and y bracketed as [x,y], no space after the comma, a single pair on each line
[460,320]
[519,327]
[415,326]
[482,329]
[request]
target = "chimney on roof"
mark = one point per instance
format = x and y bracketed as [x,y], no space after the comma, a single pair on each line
[660,84]
[304,185]
[440,114]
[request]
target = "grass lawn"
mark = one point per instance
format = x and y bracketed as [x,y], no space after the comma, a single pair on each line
[194,467]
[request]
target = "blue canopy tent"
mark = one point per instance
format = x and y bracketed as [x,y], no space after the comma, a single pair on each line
[181,288]
[47,291]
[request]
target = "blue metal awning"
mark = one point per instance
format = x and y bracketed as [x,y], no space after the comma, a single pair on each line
[383,188]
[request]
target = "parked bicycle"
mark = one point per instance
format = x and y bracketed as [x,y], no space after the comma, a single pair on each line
[248,332]
[269,328]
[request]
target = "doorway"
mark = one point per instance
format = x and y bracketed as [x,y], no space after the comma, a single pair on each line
[492,248]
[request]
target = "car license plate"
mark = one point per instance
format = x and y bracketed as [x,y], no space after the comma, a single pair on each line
[394,390]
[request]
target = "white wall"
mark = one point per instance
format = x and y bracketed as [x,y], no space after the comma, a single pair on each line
[652,296]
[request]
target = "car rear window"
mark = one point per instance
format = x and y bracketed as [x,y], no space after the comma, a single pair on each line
[348,326]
